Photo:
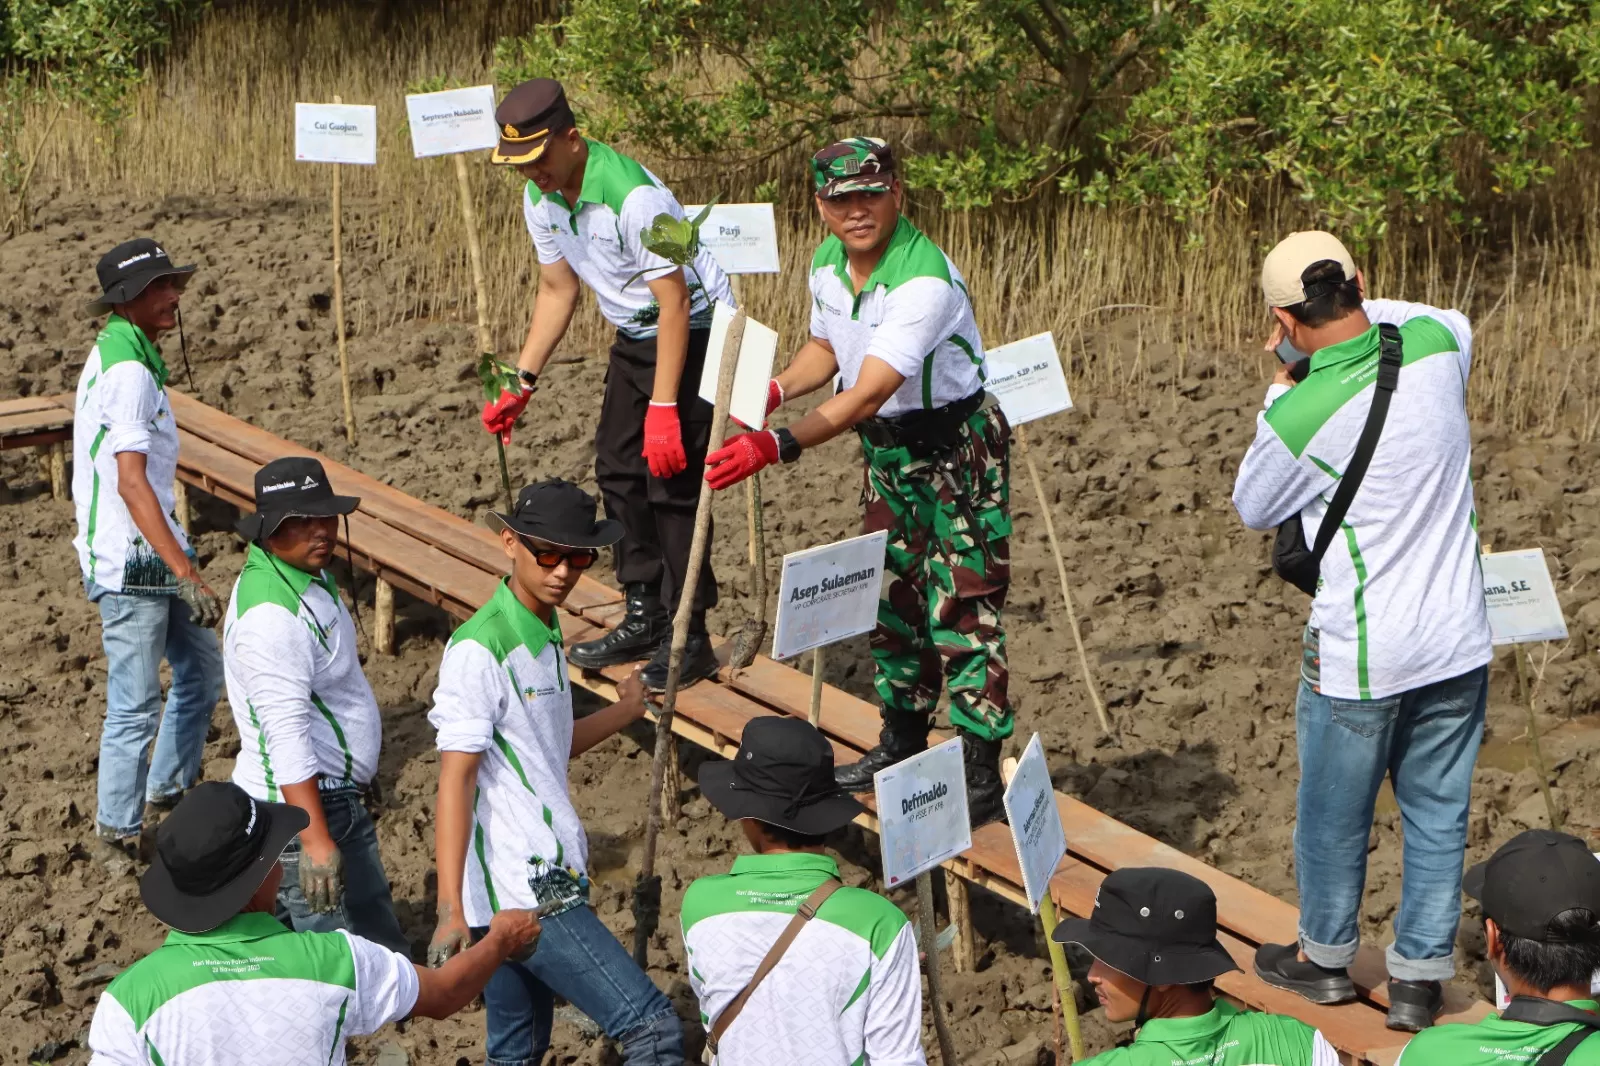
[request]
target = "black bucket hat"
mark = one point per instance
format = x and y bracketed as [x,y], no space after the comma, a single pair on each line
[212,852]
[128,269]
[782,774]
[1531,879]
[1156,925]
[560,513]
[295,486]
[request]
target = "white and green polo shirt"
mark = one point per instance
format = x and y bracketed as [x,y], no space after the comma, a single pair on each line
[848,990]
[913,313]
[599,238]
[122,407]
[1224,1036]
[1400,604]
[250,993]
[1497,1042]
[302,704]
[503,692]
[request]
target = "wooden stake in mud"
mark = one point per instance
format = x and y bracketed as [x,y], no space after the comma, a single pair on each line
[1534,747]
[647,891]
[1066,586]
[816,687]
[1063,976]
[480,299]
[338,305]
[753,633]
[930,956]
[960,904]
[180,503]
[56,458]
[383,601]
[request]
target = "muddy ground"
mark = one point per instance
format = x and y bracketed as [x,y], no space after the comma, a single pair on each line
[1193,641]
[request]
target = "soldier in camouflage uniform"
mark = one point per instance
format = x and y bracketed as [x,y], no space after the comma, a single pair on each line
[891,316]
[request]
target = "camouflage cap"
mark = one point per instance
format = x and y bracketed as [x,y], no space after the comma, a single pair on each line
[855,164]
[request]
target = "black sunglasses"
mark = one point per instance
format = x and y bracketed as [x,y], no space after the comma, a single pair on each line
[550,558]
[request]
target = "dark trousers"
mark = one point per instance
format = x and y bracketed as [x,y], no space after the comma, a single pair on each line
[657,514]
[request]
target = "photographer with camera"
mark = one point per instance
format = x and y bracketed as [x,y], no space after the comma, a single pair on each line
[1363,458]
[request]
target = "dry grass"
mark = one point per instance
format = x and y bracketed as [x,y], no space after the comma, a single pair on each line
[1142,311]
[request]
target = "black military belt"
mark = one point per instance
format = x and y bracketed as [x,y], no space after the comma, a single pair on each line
[921,432]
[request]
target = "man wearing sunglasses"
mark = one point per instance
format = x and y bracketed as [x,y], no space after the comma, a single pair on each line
[507,834]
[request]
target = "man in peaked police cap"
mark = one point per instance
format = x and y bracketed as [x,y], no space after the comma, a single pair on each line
[231,984]
[138,566]
[1153,935]
[586,204]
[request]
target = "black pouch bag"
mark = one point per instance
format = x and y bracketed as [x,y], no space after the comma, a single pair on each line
[1292,559]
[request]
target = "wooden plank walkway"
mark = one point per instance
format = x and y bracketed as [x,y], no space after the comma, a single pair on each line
[453,564]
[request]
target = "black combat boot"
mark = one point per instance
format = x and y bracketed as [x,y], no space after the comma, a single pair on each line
[985,789]
[699,662]
[902,736]
[634,638]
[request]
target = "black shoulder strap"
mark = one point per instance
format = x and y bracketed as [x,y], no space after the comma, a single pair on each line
[1388,378]
[1535,1011]
[1558,1055]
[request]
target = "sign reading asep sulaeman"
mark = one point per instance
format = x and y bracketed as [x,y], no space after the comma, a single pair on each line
[828,593]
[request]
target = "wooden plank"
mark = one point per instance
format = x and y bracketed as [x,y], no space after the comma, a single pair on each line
[22,405]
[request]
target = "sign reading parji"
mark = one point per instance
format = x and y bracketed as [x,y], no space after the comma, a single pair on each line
[750,374]
[1026,377]
[742,237]
[1035,822]
[1522,603]
[336,133]
[922,812]
[456,120]
[828,593]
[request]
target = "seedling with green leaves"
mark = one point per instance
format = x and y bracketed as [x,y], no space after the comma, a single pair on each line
[676,240]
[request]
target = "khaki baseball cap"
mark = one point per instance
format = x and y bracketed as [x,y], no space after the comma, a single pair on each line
[1283,271]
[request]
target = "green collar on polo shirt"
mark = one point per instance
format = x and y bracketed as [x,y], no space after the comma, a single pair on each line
[530,632]
[128,341]
[786,862]
[252,925]
[608,178]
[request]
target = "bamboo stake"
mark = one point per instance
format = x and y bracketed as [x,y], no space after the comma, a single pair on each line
[753,633]
[58,471]
[961,918]
[930,963]
[383,604]
[816,687]
[180,504]
[1066,586]
[1534,747]
[480,294]
[338,305]
[647,890]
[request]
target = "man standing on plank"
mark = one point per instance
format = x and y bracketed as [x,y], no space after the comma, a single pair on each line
[845,986]
[137,564]
[891,316]
[309,729]
[585,204]
[232,985]
[506,832]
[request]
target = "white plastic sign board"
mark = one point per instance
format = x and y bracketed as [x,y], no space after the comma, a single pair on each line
[1522,603]
[1026,377]
[922,812]
[743,238]
[828,593]
[456,120]
[1035,822]
[336,133]
[750,374]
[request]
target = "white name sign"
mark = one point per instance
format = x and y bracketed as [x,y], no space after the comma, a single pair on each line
[1026,377]
[455,120]
[336,133]
[1522,603]
[922,812]
[1035,822]
[750,374]
[828,593]
[743,238]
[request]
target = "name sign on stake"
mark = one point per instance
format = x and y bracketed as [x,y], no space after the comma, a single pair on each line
[455,120]
[828,593]
[336,133]
[743,238]
[1522,603]
[922,812]
[1026,377]
[750,374]
[1035,822]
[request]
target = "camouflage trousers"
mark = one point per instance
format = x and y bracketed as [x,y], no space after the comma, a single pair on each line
[939,616]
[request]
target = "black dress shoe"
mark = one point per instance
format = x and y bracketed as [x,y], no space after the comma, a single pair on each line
[1279,965]
[902,736]
[699,662]
[634,638]
[1414,1004]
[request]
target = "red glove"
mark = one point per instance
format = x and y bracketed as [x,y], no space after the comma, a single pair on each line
[663,440]
[774,401]
[501,414]
[742,456]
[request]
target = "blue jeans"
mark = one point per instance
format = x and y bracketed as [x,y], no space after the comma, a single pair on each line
[1426,741]
[365,908]
[579,960]
[137,632]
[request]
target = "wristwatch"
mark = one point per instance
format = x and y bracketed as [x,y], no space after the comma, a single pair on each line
[788,447]
[529,379]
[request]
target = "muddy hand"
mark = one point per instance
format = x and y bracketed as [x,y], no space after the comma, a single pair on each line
[204,606]
[517,931]
[321,882]
[449,938]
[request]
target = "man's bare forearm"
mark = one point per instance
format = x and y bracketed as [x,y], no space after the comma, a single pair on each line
[672,341]
[450,987]
[552,314]
[458,774]
[306,796]
[813,366]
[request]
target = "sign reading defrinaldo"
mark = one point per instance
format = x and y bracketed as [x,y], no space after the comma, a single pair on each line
[1026,377]
[1035,822]
[336,133]
[455,120]
[1522,603]
[828,593]
[750,374]
[743,238]
[922,812]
